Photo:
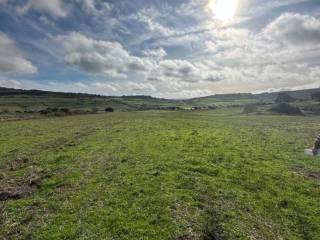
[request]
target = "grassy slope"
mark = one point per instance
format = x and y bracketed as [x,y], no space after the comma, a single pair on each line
[22,100]
[152,175]
[36,103]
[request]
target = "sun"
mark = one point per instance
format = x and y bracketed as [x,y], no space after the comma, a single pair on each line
[223,10]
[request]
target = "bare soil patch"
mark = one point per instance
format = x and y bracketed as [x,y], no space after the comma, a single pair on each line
[11,189]
[308,173]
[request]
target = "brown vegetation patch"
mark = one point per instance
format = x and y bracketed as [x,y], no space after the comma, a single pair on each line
[18,163]
[10,189]
[314,175]
[15,192]
[311,174]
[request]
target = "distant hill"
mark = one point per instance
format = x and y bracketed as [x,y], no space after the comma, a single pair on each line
[299,94]
[15,100]
[34,100]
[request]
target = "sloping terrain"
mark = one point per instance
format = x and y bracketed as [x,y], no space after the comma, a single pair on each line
[27,104]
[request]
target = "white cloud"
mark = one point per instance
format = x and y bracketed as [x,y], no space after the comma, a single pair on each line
[156,54]
[110,58]
[99,57]
[55,8]
[11,83]
[176,70]
[281,55]
[90,6]
[294,29]
[230,60]
[11,59]
[94,7]
[148,16]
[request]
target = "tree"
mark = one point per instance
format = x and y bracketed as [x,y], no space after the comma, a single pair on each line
[109,109]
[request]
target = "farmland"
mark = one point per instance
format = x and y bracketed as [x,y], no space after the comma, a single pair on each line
[216,174]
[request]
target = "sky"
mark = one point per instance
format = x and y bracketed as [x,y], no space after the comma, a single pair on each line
[162,48]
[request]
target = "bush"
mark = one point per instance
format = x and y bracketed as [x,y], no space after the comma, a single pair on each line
[212,107]
[284,98]
[5,111]
[53,109]
[285,108]
[55,112]
[29,112]
[109,109]
[65,110]
[251,108]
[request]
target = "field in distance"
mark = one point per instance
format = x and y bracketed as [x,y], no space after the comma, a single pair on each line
[182,175]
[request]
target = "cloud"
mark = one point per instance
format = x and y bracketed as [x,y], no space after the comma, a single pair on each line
[11,59]
[56,8]
[176,70]
[294,29]
[227,60]
[94,7]
[112,59]
[98,56]
[156,54]
[279,56]
[149,16]
[11,83]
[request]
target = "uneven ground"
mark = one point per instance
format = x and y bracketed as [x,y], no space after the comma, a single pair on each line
[160,175]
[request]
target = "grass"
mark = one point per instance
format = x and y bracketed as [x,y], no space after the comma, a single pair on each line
[161,175]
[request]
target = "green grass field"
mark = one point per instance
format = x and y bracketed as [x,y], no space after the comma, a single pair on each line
[160,175]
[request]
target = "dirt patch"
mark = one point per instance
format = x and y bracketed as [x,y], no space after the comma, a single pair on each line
[18,163]
[15,192]
[33,179]
[308,173]
[314,175]
[12,189]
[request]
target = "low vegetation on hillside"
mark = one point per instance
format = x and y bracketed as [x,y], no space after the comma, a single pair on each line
[25,104]
[285,108]
[284,98]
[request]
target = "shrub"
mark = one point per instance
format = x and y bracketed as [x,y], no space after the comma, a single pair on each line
[55,111]
[173,108]
[285,108]
[212,107]
[44,111]
[65,110]
[109,109]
